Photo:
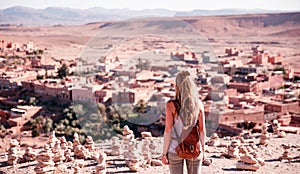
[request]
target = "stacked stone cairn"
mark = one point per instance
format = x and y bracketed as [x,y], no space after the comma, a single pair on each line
[275,127]
[69,155]
[214,140]
[145,149]
[154,161]
[77,166]
[249,162]
[115,146]
[248,156]
[127,133]
[154,154]
[252,145]
[233,149]
[286,153]
[264,137]
[52,139]
[153,147]
[90,147]
[45,163]
[76,141]
[89,144]
[131,156]
[59,155]
[101,166]
[63,143]
[67,148]
[130,147]
[14,155]
[29,155]
[243,145]
[80,152]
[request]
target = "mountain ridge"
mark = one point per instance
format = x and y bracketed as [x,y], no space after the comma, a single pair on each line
[21,15]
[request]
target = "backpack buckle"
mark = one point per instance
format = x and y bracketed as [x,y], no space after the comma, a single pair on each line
[191,148]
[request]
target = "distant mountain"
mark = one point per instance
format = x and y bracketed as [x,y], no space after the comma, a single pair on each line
[225,12]
[70,16]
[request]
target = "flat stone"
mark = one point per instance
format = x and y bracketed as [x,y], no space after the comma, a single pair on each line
[146,134]
[244,166]
[155,162]
[248,159]
[43,157]
[281,134]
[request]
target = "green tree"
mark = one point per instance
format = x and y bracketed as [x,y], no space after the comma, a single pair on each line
[68,123]
[63,71]
[35,133]
[39,77]
[3,131]
[48,125]
[141,106]
[280,68]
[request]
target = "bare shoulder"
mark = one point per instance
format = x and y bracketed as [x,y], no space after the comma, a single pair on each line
[170,103]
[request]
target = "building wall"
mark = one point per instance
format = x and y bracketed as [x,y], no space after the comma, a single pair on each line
[83,94]
[58,92]
[241,87]
[255,115]
[7,84]
[283,107]
[123,97]
[260,59]
[230,92]
[275,81]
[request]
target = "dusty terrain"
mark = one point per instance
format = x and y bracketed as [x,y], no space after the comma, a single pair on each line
[269,153]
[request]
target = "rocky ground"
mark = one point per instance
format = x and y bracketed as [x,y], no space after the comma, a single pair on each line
[269,153]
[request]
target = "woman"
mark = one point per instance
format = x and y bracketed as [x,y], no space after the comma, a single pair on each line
[188,104]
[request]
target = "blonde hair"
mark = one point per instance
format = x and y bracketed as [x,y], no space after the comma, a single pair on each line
[188,97]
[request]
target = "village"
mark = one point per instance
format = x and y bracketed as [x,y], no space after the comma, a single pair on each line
[235,92]
[243,91]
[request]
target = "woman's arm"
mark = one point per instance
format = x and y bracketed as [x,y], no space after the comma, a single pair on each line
[168,130]
[202,129]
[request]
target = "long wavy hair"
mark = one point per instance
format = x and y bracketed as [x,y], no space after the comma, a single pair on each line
[188,98]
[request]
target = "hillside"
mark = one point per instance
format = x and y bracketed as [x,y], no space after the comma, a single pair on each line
[276,32]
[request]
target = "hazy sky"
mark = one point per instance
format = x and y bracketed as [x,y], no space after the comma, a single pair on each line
[179,5]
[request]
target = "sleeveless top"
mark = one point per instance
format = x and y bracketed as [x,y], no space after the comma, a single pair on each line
[178,125]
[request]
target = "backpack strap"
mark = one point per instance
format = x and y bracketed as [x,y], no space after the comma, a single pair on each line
[184,132]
